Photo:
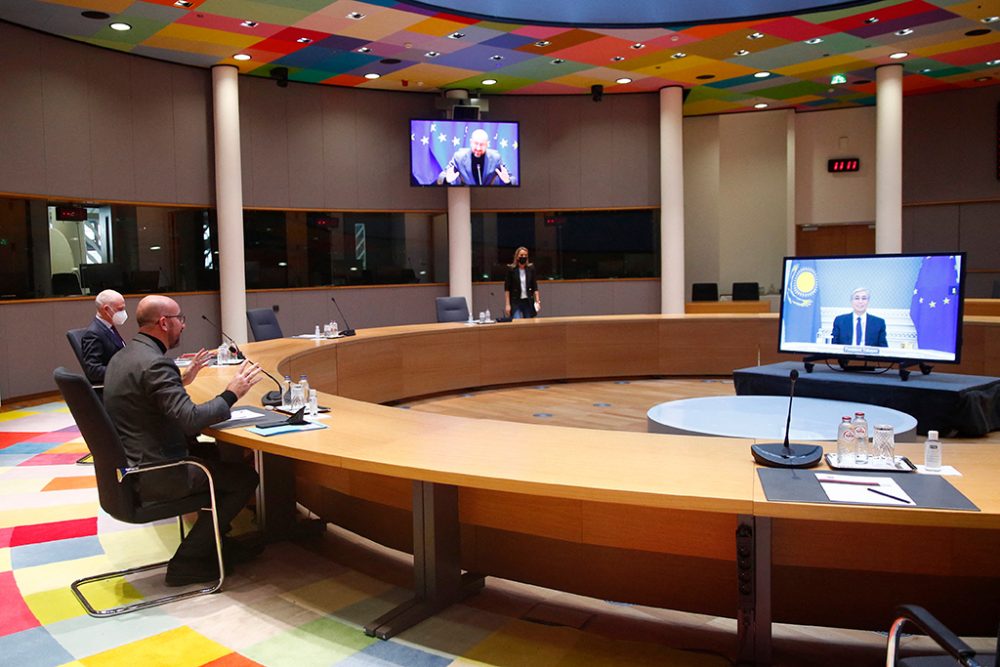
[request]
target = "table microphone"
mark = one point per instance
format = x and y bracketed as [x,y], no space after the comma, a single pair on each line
[785,455]
[271,397]
[348,331]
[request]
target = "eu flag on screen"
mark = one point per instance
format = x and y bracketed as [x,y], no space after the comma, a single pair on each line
[934,305]
[801,313]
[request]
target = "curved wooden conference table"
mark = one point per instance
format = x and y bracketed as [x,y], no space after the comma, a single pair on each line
[671,521]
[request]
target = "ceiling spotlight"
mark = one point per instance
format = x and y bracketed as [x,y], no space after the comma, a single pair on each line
[542,43]
[705,77]
[760,105]
[120,27]
[637,46]
[557,61]
[871,20]
[241,56]
[618,59]
[488,82]
[456,35]
[432,54]
[496,57]
[925,70]
[249,24]
[91,14]
[183,3]
[982,79]
[978,32]
[838,79]
[741,53]
[679,55]
[304,40]
[993,63]
[355,16]
[815,40]
[761,75]
[755,35]
[623,80]
[898,55]
[364,49]
[990,19]
[904,32]
[372,76]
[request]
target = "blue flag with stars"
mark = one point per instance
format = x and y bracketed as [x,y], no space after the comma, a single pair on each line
[935,302]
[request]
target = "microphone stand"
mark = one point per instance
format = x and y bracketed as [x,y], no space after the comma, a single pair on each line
[347,331]
[273,398]
[786,455]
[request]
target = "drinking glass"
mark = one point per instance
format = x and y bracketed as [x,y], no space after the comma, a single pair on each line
[884,444]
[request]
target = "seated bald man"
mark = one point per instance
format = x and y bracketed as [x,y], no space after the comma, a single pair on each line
[157,422]
[102,341]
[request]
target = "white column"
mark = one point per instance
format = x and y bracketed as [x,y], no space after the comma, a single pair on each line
[889,159]
[671,201]
[229,201]
[460,244]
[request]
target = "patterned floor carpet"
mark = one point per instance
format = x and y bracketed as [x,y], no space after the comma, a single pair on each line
[295,606]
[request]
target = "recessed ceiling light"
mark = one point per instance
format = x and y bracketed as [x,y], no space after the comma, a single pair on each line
[183,3]
[372,75]
[679,55]
[741,53]
[990,19]
[542,43]
[705,77]
[557,61]
[637,46]
[755,35]
[120,27]
[488,82]
[431,54]
[496,57]
[304,40]
[904,32]
[154,247]
[977,32]
[355,16]
[623,80]
[993,63]
[249,24]
[838,79]
[364,49]
[871,20]
[390,61]
[282,263]
[760,105]
[456,35]
[761,75]
[982,79]
[618,59]
[898,55]
[925,70]
[241,56]
[91,14]
[815,40]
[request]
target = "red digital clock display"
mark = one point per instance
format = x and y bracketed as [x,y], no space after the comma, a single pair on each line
[71,213]
[840,165]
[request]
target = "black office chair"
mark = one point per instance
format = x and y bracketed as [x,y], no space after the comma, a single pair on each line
[75,338]
[451,309]
[746,292]
[959,653]
[116,490]
[996,290]
[65,284]
[264,324]
[705,292]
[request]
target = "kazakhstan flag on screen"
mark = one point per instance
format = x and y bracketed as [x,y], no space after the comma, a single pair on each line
[801,312]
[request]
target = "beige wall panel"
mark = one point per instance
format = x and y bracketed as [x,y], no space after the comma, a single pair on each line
[340,143]
[153,152]
[598,181]
[306,161]
[930,228]
[522,352]
[66,114]
[563,147]
[535,181]
[635,154]
[701,201]
[441,362]
[111,133]
[600,349]
[193,135]
[22,168]
[263,117]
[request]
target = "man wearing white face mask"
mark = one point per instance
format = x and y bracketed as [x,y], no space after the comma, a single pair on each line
[102,340]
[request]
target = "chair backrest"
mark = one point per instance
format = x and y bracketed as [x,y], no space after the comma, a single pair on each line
[102,440]
[705,292]
[746,292]
[65,283]
[996,294]
[75,338]
[264,324]
[451,309]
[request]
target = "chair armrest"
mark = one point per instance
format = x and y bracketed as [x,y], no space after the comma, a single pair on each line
[147,467]
[933,628]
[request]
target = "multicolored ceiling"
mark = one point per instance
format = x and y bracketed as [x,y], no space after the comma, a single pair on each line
[782,62]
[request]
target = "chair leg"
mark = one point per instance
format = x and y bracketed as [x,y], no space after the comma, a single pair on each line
[155,602]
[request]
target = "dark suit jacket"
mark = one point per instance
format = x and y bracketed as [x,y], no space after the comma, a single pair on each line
[843,331]
[99,345]
[149,405]
[512,282]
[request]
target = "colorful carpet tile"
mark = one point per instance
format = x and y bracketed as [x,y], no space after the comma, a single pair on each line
[290,608]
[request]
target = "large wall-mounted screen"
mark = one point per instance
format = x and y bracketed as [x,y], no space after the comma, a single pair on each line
[464,153]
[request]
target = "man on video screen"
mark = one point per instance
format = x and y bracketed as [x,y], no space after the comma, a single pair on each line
[476,165]
[858,327]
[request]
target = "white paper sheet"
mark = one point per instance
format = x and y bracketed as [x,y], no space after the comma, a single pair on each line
[863,490]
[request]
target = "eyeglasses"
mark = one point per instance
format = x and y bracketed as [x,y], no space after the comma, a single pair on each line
[180,316]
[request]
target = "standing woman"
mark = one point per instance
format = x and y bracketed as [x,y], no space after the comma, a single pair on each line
[520,289]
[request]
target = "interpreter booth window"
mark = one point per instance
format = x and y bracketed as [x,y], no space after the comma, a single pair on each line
[568,245]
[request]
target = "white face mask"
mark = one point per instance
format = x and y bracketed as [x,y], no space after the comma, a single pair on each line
[119,318]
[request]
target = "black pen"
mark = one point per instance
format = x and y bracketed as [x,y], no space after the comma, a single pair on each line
[887,495]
